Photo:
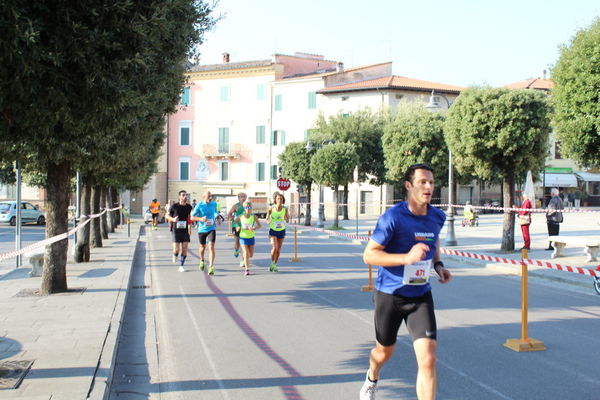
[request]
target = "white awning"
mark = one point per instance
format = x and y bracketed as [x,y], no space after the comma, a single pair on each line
[558,180]
[588,176]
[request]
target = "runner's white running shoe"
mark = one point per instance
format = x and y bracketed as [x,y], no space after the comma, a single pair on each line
[181,269]
[367,392]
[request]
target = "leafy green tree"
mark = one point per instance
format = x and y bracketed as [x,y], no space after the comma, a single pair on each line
[499,132]
[415,135]
[364,130]
[295,162]
[576,97]
[332,166]
[72,77]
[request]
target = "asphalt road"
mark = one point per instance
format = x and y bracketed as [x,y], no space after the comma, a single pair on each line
[305,332]
[30,233]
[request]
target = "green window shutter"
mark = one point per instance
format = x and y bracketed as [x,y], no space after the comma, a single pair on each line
[185,96]
[312,100]
[278,102]
[184,136]
[224,93]
[282,138]
[260,172]
[273,171]
[224,171]
[261,91]
[184,168]
[223,140]
[273,138]
[345,115]
[260,134]
[306,135]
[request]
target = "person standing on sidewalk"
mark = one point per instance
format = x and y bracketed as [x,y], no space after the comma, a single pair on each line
[405,245]
[524,219]
[154,208]
[179,216]
[554,216]
[205,215]
[237,210]
[249,223]
[277,217]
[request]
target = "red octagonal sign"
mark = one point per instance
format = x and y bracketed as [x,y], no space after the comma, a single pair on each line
[283,184]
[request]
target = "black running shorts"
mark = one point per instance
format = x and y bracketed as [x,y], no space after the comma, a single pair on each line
[181,236]
[416,312]
[210,235]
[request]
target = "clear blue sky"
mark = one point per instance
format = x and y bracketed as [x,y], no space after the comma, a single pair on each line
[460,42]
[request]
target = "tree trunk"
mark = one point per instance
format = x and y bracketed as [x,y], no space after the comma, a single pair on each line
[117,202]
[345,207]
[54,276]
[104,205]
[508,228]
[307,214]
[336,194]
[82,249]
[96,222]
[111,214]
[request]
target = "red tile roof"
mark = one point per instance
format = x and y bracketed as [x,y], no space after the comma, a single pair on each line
[533,83]
[393,82]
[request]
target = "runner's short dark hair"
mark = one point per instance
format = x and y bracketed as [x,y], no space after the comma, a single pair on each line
[410,172]
[182,191]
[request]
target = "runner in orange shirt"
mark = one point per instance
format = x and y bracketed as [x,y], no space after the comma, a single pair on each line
[155,211]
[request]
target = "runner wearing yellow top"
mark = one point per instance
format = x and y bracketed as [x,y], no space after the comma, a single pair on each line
[155,211]
[236,210]
[277,217]
[249,223]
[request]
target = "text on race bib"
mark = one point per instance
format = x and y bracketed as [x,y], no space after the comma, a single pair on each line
[417,273]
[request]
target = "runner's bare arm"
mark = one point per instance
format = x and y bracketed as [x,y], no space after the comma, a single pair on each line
[443,272]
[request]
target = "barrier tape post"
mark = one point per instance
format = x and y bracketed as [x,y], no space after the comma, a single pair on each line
[295,258]
[369,287]
[524,343]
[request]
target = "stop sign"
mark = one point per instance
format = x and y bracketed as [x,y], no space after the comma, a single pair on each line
[283,184]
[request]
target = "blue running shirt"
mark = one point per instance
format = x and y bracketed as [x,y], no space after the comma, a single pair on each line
[210,212]
[398,229]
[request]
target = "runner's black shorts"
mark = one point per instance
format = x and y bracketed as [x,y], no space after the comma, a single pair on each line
[181,236]
[155,216]
[277,234]
[210,235]
[416,312]
[235,231]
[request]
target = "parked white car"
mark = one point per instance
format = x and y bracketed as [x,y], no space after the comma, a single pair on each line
[29,213]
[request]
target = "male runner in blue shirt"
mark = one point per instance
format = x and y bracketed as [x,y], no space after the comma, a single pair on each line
[205,214]
[405,245]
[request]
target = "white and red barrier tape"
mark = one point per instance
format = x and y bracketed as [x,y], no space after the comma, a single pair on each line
[53,239]
[567,268]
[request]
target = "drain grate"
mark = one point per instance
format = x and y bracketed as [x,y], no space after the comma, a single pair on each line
[13,372]
[140,287]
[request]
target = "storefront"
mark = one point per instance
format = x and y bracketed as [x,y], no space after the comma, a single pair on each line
[590,184]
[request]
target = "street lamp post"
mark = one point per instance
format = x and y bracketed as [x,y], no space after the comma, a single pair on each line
[433,105]
[320,223]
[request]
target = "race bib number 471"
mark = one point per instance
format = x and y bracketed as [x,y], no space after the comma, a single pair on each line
[417,273]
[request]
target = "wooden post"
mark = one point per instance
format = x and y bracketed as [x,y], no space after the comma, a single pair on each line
[295,258]
[369,287]
[525,343]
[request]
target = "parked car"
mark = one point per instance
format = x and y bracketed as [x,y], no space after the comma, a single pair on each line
[29,213]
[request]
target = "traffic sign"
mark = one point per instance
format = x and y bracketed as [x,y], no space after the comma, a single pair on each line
[283,184]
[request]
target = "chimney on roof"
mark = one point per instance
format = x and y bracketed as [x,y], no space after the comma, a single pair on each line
[340,67]
[225,58]
[544,72]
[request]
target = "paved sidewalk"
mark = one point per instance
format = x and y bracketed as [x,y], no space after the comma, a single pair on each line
[70,337]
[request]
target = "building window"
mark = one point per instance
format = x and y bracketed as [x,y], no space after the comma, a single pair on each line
[185,129]
[399,97]
[185,96]
[260,134]
[306,135]
[278,102]
[261,91]
[278,138]
[184,169]
[312,100]
[260,171]
[223,141]
[557,154]
[224,170]
[274,171]
[224,93]
[345,98]
[345,115]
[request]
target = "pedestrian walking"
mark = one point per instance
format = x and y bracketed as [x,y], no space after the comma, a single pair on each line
[235,211]
[249,223]
[554,216]
[524,219]
[154,208]
[205,215]
[277,217]
[577,198]
[405,245]
[570,199]
[179,216]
